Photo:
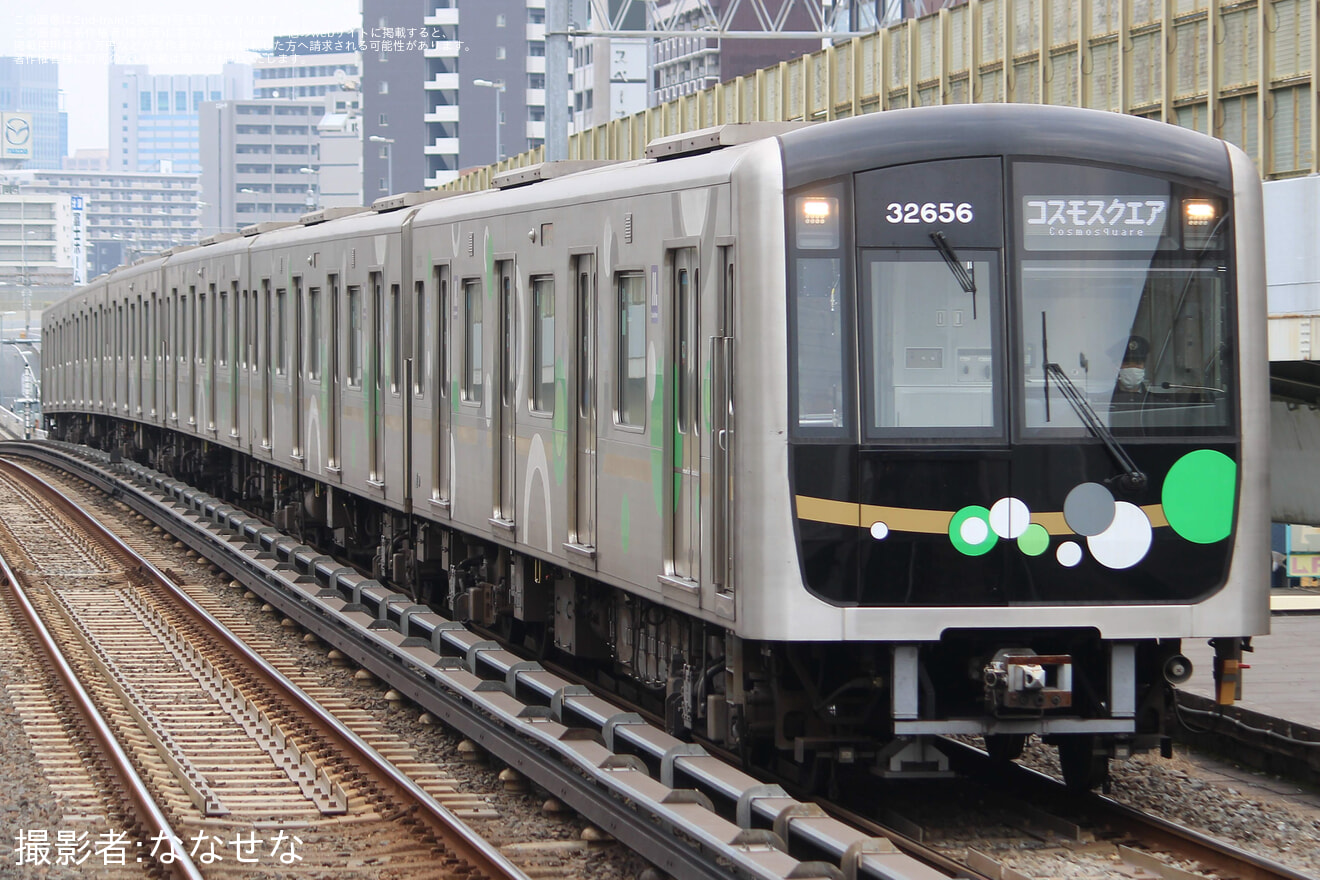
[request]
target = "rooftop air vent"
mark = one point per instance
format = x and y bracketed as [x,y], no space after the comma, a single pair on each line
[720,136]
[529,174]
[267,226]
[217,238]
[407,200]
[314,217]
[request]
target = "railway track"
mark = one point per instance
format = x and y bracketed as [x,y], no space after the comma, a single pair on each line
[1020,810]
[687,812]
[1102,825]
[387,619]
[88,771]
[245,767]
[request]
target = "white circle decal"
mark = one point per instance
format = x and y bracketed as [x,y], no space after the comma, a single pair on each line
[879,531]
[1069,554]
[1009,518]
[1126,541]
[974,530]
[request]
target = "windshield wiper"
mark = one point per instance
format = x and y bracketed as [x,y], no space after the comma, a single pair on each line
[960,273]
[1134,479]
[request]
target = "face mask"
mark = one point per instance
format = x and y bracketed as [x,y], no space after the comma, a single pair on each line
[1131,378]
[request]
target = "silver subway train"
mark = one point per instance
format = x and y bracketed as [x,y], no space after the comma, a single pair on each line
[822,441]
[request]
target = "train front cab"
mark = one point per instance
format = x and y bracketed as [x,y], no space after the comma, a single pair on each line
[1034,473]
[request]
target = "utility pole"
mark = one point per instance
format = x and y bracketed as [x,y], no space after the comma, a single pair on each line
[556,79]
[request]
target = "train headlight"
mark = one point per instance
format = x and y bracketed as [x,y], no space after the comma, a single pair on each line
[817,222]
[1200,212]
[1201,222]
[815,212]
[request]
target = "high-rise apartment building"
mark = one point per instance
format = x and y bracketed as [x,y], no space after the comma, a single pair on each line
[260,161]
[394,132]
[485,83]
[154,118]
[324,68]
[29,85]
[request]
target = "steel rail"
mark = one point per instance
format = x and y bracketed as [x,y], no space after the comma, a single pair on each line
[442,663]
[466,844]
[1157,832]
[149,812]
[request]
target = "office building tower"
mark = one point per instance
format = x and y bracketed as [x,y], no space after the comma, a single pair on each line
[40,133]
[154,118]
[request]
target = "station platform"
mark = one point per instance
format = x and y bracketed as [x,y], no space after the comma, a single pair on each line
[1282,681]
[1295,600]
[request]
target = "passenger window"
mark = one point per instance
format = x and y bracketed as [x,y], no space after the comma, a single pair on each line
[314,333]
[442,330]
[245,347]
[631,367]
[396,339]
[419,343]
[201,328]
[211,344]
[354,335]
[472,312]
[281,304]
[186,349]
[376,334]
[222,331]
[543,345]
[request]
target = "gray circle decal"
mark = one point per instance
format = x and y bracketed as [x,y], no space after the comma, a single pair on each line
[1089,509]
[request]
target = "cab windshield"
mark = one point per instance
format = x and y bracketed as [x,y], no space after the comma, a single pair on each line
[1124,290]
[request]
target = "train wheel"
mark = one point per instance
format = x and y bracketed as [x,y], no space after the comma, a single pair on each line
[1083,767]
[1005,746]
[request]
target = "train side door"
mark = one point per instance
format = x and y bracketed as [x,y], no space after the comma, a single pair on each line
[721,426]
[152,351]
[267,368]
[685,434]
[250,367]
[507,452]
[136,347]
[372,384]
[192,352]
[214,341]
[442,411]
[296,370]
[234,340]
[584,434]
[332,376]
[173,336]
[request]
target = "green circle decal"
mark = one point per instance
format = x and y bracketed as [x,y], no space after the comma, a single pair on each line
[970,531]
[1035,540]
[1198,496]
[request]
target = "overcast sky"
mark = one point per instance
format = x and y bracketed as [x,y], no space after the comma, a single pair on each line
[170,36]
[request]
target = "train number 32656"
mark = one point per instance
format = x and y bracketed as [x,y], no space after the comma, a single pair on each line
[929,212]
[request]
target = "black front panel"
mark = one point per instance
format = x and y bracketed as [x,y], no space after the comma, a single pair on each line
[1039,403]
[914,562]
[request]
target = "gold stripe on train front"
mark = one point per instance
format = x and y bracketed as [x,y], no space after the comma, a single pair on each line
[925,522]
